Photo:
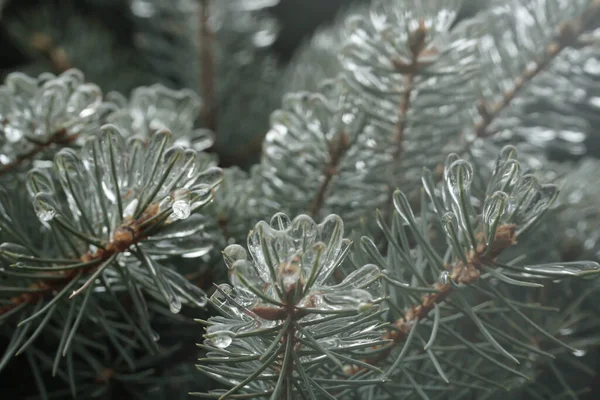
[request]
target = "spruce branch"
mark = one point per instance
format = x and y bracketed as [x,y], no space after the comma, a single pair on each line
[513,205]
[568,34]
[416,41]
[120,211]
[280,319]
[337,148]
[40,116]
[401,62]
[58,139]
[152,108]
[459,274]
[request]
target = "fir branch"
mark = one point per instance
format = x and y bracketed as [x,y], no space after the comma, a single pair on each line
[58,139]
[458,274]
[46,114]
[294,313]
[416,45]
[337,148]
[125,236]
[514,203]
[568,35]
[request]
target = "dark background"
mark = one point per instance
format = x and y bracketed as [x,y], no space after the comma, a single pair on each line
[298,18]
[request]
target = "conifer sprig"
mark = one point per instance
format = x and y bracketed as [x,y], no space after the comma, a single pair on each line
[114,214]
[429,289]
[283,322]
[45,114]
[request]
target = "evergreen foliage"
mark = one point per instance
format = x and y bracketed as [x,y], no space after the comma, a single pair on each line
[417,219]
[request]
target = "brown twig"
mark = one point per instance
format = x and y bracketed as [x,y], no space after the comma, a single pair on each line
[207,63]
[410,70]
[568,36]
[126,235]
[336,152]
[57,55]
[61,137]
[460,274]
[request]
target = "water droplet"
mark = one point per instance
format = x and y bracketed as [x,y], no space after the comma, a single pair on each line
[175,306]
[233,253]
[155,336]
[222,339]
[363,307]
[181,209]
[579,353]
[43,207]
[12,134]
[267,33]
[445,277]
[181,203]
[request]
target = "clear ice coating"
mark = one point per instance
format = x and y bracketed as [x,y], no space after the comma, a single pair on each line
[444,277]
[511,41]
[458,180]
[113,188]
[222,340]
[43,207]
[181,203]
[304,131]
[181,209]
[400,37]
[290,261]
[493,210]
[157,107]
[574,268]
[513,195]
[40,111]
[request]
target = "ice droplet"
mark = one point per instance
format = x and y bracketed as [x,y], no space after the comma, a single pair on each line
[181,209]
[181,203]
[579,353]
[175,306]
[266,34]
[43,208]
[364,307]
[445,277]
[222,339]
